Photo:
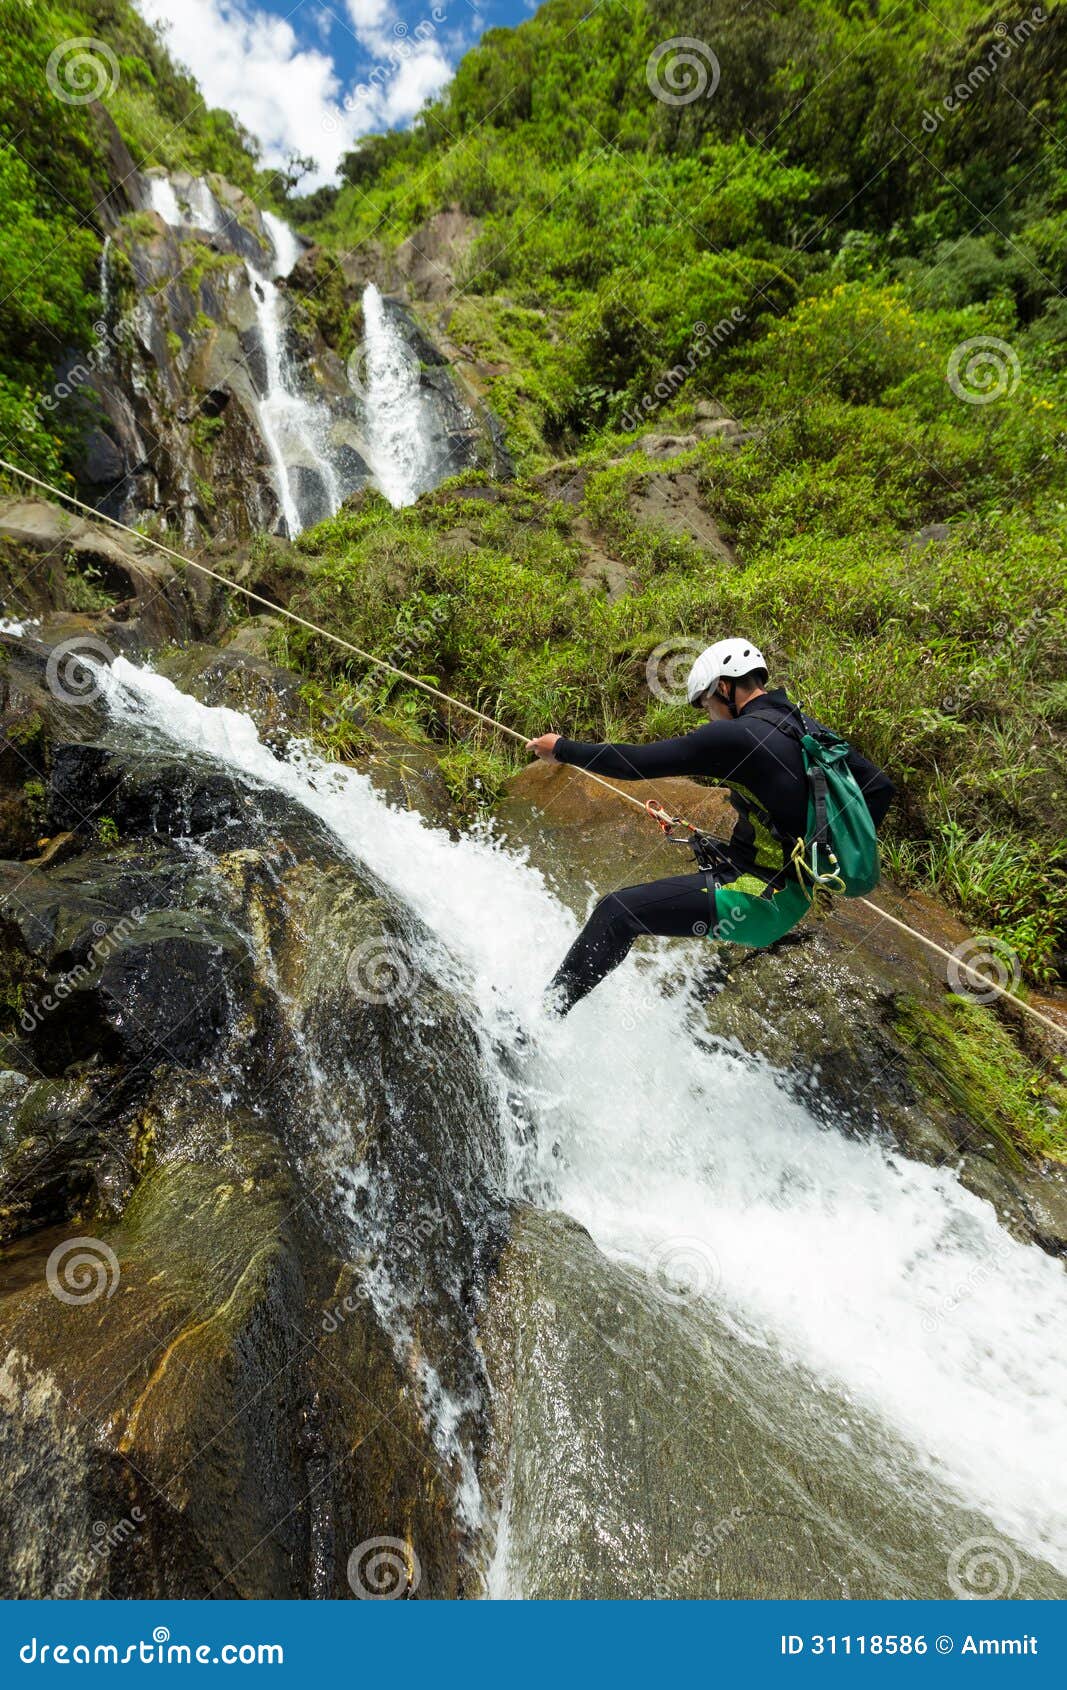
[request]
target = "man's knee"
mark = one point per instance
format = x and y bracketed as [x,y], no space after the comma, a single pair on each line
[617,910]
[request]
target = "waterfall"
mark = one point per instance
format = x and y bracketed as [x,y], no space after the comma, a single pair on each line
[287,248]
[204,212]
[294,429]
[882,1277]
[397,425]
[164,201]
[104,339]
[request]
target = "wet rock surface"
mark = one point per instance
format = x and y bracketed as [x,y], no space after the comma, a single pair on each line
[245,1378]
[642,1449]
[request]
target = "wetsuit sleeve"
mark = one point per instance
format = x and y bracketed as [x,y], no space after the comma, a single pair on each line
[874,783]
[717,749]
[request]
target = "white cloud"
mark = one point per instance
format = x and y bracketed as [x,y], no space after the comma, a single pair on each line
[288,95]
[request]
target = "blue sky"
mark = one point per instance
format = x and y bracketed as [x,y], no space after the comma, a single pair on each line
[314,76]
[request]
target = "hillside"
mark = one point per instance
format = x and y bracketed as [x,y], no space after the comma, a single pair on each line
[787,358]
[871,284]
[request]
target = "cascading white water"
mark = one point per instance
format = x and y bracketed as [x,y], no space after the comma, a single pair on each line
[204,212]
[295,429]
[396,421]
[105,300]
[164,201]
[883,1276]
[287,248]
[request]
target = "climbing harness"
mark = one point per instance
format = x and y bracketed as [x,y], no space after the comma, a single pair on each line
[712,856]
[502,727]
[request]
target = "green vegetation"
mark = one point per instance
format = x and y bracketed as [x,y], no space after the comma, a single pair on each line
[976,1067]
[36,795]
[53,171]
[872,284]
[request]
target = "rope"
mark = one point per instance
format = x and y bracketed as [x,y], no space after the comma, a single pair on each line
[481,715]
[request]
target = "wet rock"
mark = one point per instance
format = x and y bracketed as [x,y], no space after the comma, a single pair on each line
[51,1138]
[171,988]
[641,1449]
[289,1173]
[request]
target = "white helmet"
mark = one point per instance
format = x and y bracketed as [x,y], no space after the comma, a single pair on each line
[727,660]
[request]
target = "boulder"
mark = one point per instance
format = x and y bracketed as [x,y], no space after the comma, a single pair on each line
[640,1448]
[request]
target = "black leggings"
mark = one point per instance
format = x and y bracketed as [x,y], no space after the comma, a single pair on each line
[677,908]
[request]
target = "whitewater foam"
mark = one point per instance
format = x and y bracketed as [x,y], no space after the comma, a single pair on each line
[883,1276]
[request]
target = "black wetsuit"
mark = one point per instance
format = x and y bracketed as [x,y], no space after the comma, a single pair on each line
[764,769]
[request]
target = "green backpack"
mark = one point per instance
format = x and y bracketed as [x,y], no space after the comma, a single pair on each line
[840,847]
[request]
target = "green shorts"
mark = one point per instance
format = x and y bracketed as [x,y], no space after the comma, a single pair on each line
[758,922]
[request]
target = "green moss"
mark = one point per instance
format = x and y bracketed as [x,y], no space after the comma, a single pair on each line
[139,225]
[26,731]
[974,1064]
[84,587]
[36,795]
[204,432]
[476,777]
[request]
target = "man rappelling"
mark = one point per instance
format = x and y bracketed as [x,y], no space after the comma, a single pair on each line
[807,809]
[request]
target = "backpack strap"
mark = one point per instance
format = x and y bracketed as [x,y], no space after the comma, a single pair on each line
[798,726]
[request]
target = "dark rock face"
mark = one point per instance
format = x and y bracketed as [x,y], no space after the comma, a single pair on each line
[223,1335]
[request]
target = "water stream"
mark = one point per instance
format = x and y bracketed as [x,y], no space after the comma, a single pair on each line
[294,428]
[405,424]
[402,458]
[878,1275]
